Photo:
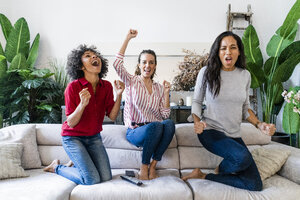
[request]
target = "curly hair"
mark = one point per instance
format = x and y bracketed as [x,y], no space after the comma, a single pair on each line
[74,63]
[137,69]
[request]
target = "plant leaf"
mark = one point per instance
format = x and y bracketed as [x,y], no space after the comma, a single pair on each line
[290,121]
[293,48]
[42,73]
[45,107]
[268,66]
[5,25]
[33,53]
[18,62]
[18,40]
[251,46]
[290,20]
[278,43]
[35,83]
[1,50]
[257,75]
[278,97]
[284,71]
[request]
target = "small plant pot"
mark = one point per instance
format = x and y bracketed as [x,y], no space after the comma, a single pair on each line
[282,138]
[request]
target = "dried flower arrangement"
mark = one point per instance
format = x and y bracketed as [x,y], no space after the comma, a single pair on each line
[189,70]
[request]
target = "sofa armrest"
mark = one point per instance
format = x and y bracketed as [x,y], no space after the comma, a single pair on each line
[291,168]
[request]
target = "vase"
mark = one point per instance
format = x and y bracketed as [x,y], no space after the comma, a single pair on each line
[294,140]
[282,138]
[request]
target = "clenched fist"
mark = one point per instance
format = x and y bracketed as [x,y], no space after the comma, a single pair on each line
[119,87]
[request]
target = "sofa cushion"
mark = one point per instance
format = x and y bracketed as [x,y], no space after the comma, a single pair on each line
[114,136]
[39,185]
[269,161]
[50,153]
[10,160]
[125,158]
[275,187]
[48,134]
[193,157]
[250,134]
[167,186]
[25,134]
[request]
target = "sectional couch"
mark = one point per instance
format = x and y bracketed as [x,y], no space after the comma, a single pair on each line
[42,144]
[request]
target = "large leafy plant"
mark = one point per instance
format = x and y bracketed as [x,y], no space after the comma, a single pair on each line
[27,94]
[284,55]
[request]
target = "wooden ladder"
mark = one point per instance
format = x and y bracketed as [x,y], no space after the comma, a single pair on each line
[233,17]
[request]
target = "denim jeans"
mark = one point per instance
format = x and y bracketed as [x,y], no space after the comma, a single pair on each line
[238,168]
[91,163]
[154,137]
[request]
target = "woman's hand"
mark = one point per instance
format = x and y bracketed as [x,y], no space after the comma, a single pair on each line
[131,34]
[85,96]
[268,129]
[167,87]
[119,87]
[199,126]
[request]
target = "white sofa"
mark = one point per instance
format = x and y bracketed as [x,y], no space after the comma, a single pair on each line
[184,153]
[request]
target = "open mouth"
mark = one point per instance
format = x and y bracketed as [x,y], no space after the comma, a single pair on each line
[95,63]
[228,59]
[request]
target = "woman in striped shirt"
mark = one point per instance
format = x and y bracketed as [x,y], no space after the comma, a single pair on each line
[147,105]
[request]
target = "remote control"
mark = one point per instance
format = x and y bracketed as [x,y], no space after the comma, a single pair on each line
[132,180]
[129,173]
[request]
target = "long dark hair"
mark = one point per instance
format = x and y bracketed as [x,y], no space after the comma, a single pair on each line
[214,65]
[137,69]
[74,63]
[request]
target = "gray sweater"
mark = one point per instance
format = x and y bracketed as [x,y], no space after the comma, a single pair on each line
[226,111]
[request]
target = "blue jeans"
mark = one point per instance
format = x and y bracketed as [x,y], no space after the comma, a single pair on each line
[91,163]
[154,137]
[238,168]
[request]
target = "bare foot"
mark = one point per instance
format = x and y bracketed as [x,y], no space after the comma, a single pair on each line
[69,164]
[52,166]
[143,173]
[152,170]
[196,173]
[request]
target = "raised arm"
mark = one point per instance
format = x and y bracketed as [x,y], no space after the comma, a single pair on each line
[118,64]
[131,34]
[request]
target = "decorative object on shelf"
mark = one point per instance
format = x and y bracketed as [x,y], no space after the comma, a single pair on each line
[189,69]
[291,115]
[181,102]
[188,101]
[284,55]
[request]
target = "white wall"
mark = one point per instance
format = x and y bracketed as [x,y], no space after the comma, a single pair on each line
[166,26]
[64,24]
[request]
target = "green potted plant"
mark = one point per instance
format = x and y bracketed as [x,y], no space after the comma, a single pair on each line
[291,114]
[284,55]
[27,94]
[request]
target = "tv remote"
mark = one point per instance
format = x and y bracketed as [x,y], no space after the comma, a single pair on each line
[132,180]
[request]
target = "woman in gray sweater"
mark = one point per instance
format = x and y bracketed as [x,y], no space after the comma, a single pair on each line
[225,84]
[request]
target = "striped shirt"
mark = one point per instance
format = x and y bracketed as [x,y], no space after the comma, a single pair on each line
[140,106]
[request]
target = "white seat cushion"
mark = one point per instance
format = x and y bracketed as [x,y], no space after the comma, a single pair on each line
[39,185]
[167,187]
[275,187]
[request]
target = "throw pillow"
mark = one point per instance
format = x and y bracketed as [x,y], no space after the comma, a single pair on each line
[269,161]
[10,161]
[25,134]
